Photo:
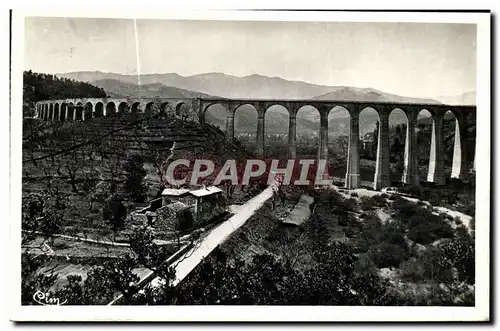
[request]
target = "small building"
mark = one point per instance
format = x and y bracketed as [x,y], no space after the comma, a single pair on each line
[208,203]
[175,204]
[174,194]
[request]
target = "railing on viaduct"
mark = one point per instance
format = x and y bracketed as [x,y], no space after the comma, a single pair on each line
[85,109]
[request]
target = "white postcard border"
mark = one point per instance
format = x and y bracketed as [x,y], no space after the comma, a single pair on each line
[261,313]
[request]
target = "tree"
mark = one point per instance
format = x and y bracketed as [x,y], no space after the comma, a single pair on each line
[134,175]
[43,213]
[32,212]
[103,283]
[111,154]
[115,212]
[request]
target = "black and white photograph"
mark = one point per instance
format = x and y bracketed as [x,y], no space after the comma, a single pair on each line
[303,165]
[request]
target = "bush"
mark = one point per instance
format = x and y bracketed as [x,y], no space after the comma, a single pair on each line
[354,194]
[411,190]
[426,227]
[404,208]
[430,266]
[386,255]
[185,220]
[115,212]
[435,198]
[392,232]
[450,197]
[366,202]
[461,253]
[350,232]
[350,204]
[374,201]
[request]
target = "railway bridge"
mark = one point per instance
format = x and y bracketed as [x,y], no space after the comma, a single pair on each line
[88,108]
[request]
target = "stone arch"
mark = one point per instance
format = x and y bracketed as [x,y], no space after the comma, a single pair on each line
[56,111]
[99,110]
[71,112]
[455,145]
[110,109]
[166,108]
[51,111]
[179,107]
[215,114]
[88,111]
[183,110]
[338,141]
[276,128]
[150,107]
[398,124]
[369,121]
[246,119]
[425,121]
[79,111]
[64,107]
[135,107]
[308,131]
[123,107]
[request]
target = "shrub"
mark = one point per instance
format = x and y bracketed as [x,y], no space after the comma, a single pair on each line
[426,227]
[380,200]
[114,211]
[450,197]
[411,190]
[461,253]
[366,202]
[468,205]
[374,201]
[430,266]
[364,264]
[404,208]
[350,232]
[185,220]
[354,194]
[413,269]
[435,198]
[343,219]
[386,255]
[392,232]
[350,204]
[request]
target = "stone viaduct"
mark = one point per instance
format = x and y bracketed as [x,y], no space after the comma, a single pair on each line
[84,109]
[87,108]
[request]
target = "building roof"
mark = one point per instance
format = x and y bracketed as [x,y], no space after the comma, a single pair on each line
[209,190]
[172,207]
[176,192]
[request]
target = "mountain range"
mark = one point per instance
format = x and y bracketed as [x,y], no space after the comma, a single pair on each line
[257,86]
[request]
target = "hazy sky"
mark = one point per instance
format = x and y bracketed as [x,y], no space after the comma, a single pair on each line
[410,59]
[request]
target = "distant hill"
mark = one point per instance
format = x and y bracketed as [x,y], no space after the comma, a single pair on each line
[219,84]
[369,94]
[252,86]
[119,89]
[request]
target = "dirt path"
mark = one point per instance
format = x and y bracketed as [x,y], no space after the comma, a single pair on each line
[466,219]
